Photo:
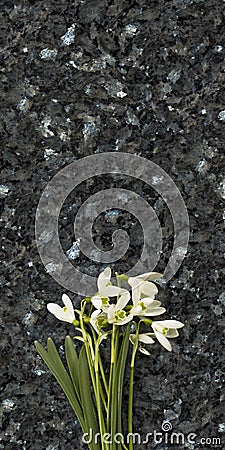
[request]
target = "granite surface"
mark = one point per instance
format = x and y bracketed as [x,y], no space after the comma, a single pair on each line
[86,77]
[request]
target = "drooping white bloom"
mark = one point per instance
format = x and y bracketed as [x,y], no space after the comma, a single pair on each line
[105,288]
[116,313]
[96,319]
[100,302]
[142,286]
[144,338]
[66,313]
[164,329]
[147,307]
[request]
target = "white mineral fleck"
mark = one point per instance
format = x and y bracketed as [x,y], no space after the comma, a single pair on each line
[174,76]
[217,310]
[180,251]
[74,251]
[202,166]
[64,136]
[111,215]
[46,236]
[29,319]
[221,116]
[90,129]
[157,179]
[221,427]
[48,54]
[7,404]
[3,190]
[23,105]
[221,188]
[130,30]
[49,152]
[38,371]
[221,298]
[68,37]
[131,118]
[218,48]
[53,267]
[169,414]
[45,123]
[121,94]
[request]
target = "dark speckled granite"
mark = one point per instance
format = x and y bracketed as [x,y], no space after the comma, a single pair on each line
[65,69]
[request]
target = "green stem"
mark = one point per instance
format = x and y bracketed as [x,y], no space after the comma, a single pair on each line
[114,395]
[89,351]
[102,374]
[98,397]
[131,390]
[111,378]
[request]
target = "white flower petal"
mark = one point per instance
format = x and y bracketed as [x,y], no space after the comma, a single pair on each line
[150,276]
[136,310]
[123,300]
[96,302]
[172,333]
[104,278]
[95,314]
[143,350]
[157,326]
[132,281]
[163,341]
[110,313]
[68,304]
[135,295]
[126,320]
[148,288]
[141,286]
[59,313]
[170,323]
[110,291]
[150,302]
[146,339]
[93,319]
[155,312]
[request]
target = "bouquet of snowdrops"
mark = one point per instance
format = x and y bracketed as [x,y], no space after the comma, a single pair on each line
[116,314]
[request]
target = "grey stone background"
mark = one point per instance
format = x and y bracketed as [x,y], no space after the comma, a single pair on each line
[85,77]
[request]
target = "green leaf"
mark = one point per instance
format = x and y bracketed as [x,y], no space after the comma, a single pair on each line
[120,369]
[73,363]
[89,409]
[54,363]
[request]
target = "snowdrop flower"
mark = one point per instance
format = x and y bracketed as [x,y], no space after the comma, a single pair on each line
[165,329]
[147,307]
[142,287]
[100,302]
[97,319]
[143,338]
[66,313]
[116,314]
[105,288]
